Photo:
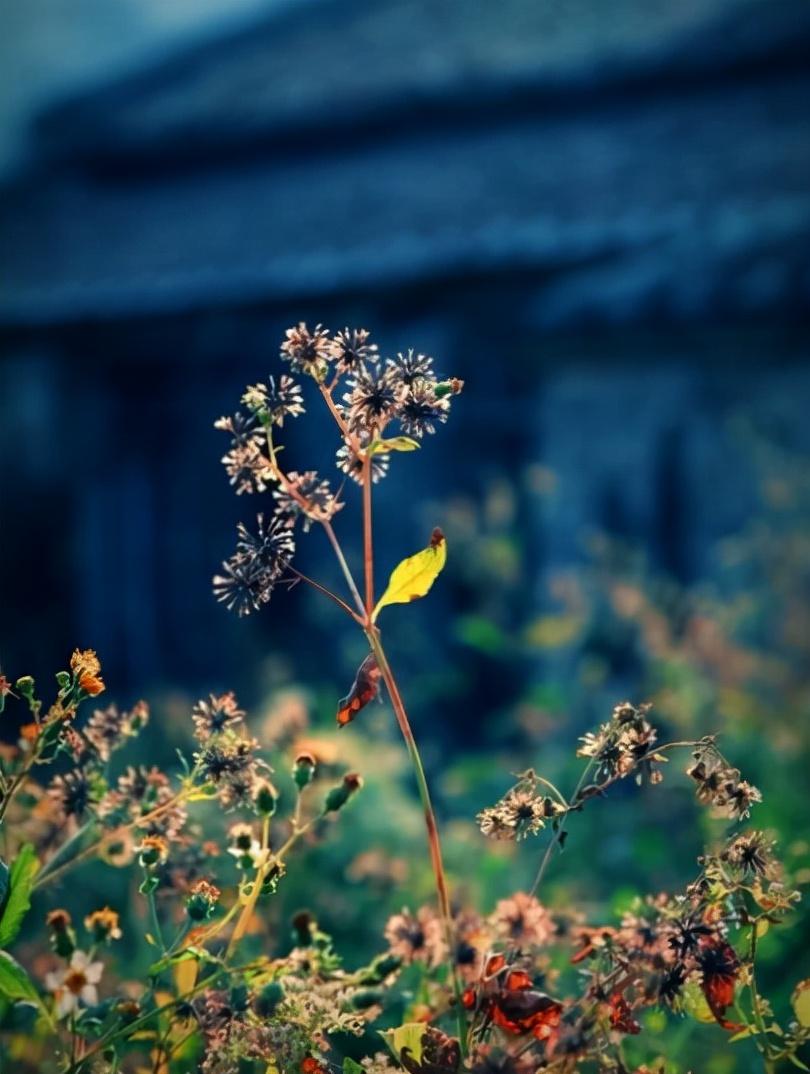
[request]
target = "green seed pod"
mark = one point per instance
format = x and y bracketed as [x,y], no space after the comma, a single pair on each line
[338,797]
[266,799]
[304,770]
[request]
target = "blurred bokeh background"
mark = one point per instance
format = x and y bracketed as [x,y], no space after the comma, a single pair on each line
[595,214]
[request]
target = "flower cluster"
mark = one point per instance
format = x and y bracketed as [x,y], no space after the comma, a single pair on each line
[719,784]
[522,811]
[404,390]
[623,745]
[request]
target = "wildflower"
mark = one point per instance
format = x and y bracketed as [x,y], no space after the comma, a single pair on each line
[243,430]
[75,984]
[624,745]
[71,793]
[350,349]
[719,785]
[244,586]
[247,467]
[139,793]
[231,765]
[107,729]
[103,925]
[412,368]
[416,938]
[751,853]
[215,715]
[421,410]
[350,462]
[276,400]
[85,662]
[154,850]
[305,495]
[519,813]
[308,352]
[202,900]
[270,548]
[372,398]
[523,921]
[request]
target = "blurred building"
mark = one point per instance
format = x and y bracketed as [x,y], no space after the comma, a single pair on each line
[597,214]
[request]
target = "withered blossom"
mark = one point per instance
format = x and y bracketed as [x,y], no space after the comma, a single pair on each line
[108,729]
[416,937]
[421,410]
[71,793]
[522,920]
[350,463]
[624,745]
[411,368]
[275,401]
[307,496]
[372,400]
[215,715]
[308,351]
[751,853]
[351,348]
[720,785]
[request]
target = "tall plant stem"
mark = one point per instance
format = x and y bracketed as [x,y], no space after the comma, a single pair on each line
[373,635]
[368,543]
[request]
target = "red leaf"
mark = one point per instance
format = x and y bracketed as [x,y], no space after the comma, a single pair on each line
[365,688]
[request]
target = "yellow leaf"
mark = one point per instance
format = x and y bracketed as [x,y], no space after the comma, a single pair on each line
[801,1002]
[694,1003]
[185,975]
[414,576]
[405,1037]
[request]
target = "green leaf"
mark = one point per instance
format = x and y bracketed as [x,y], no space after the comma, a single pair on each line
[198,953]
[21,880]
[4,885]
[414,576]
[406,1036]
[801,1002]
[14,981]
[396,443]
[351,1066]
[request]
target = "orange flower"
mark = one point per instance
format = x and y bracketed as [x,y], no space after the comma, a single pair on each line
[85,661]
[87,667]
[91,684]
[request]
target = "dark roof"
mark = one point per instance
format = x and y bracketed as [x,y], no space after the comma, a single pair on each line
[634,154]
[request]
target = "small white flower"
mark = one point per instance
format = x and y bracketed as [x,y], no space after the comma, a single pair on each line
[76,982]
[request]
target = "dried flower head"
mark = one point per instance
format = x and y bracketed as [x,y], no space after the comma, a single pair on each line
[308,352]
[351,349]
[416,938]
[350,462]
[71,793]
[103,925]
[216,715]
[372,400]
[522,921]
[306,496]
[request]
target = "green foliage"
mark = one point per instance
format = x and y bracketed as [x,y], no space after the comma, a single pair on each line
[17,901]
